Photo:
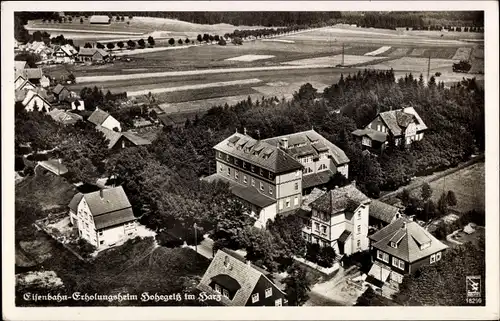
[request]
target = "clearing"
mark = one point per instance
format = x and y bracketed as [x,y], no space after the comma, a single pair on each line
[332,60]
[378,51]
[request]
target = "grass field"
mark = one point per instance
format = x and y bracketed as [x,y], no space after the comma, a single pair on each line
[468,185]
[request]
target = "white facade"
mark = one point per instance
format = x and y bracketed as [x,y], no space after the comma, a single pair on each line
[110,123]
[265,214]
[32,99]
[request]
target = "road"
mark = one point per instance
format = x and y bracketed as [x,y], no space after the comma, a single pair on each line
[205,248]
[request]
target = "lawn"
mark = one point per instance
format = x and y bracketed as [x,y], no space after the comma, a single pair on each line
[468,184]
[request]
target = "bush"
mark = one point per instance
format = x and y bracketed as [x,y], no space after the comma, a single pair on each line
[323,256]
[166,239]
[222,42]
[85,248]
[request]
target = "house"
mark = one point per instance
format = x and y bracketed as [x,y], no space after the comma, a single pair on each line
[19,65]
[401,248]
[77,104]
[61,92]
[34,75]
[100,20]
[65,54]
[337,218]
[33,97]
[92,54]
[321,159]
[382,214]
[240,283]
[36,47]
[23,84]
[44,81]
[403,126]
[102,118]
[175,120]
[64,117]
[103,218]
[117,140]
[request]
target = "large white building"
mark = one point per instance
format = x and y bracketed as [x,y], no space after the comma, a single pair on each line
[103,218]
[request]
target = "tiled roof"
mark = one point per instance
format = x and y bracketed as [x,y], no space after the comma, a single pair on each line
[73,205]
[313,141]
[247,193]
[314,195]
[383,211]
[69,50]
[114,199]
[136,140]
[32,93]
[110,135]
[344,236]
[57,89]
[92,51]
[98,117]
[246,275]
[372,133]
[114,218]
[259,153]
[316,179]
[410,236]
[398,120]
[340,199]
[29,73]
[19,65]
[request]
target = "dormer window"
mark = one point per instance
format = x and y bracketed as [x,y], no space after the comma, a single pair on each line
[394,245]
[425,245]
[226,261]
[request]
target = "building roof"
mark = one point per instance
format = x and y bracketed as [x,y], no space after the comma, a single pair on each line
[29,73]
[98,117]
[314,195]
[54,166]
[92,51]
[112,136]
[24,84]
[99,19]
[30,94]
[58,89]
[114,218]
[226,266]
[259,153]
[340,199]
[73,205]
[310,143]
[135,139]
[409,237]
[64,117]
[316,179]
[344,236]
[383,211]
[372,134]
[398,120]
[247,193]
[113,199]
[19,65]
[68,49]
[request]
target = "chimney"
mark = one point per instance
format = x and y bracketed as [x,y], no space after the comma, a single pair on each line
[353,183]
[284,143]
[249,263]
[101,193]
[244,131]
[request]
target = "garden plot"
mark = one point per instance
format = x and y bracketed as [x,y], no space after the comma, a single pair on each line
[417,52]
[286,90]
[462,54]
[204,104]
[378,51]
[398,52]
[332,60]
[414,64]
[247,58]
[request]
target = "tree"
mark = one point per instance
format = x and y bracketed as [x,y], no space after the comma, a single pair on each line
[87,45]
[171,41]
[261,248]
[206,37]
[187,40]
[405,197]
[110,46]
[141,43]
[297,285]
[442,204]
[151,41]
[180,41]
[370,298]
[131,44]
[426,191]
[451,199]
[231,222]
[120,45]
[199,38]
[222,42]
[100,45]
[81,20]
[306,93]
[130,17]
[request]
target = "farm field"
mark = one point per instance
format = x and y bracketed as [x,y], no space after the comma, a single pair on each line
[467,184]
[332,60]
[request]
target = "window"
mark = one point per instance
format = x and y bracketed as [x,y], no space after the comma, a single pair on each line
[101,242]
[433,258]
[383,256]
[396,277]
[253,182]
[253,168]
[261,186]
[228,171]
[255,297]
[225,293]
[261,171]
[296,186]
[359,229]
[378,128]
[296,201]
[358,243]
[365,141]
[245,165]
[218,288]
[87,224]
[359,215]
[304,235]
[398,263]
[394,245]
[245,179]
[287,202]
[236,161]
[221,155]
[323,229]
[271,190]
[278,302]
[297,173]
[227,157]
[221,168]
[438,256]
[269,292]
[322,167]
[270,175]
[236,174]
[316,227]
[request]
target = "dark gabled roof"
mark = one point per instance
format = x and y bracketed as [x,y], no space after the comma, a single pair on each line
[32,73]
[344,236]
[314,195]
[409,236]
[114,218]
[260,153]
[316,179]
[98,117]
[310,138]
[135,139]
[58,89]
[398,120]
[225,263]
[92,51]
[114,199]
[227,282]
[112,136]
[64,117]
[75,201]
[372,134]
[383,211]
[340,199]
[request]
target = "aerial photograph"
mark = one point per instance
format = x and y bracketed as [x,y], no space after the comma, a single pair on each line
[249,158]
